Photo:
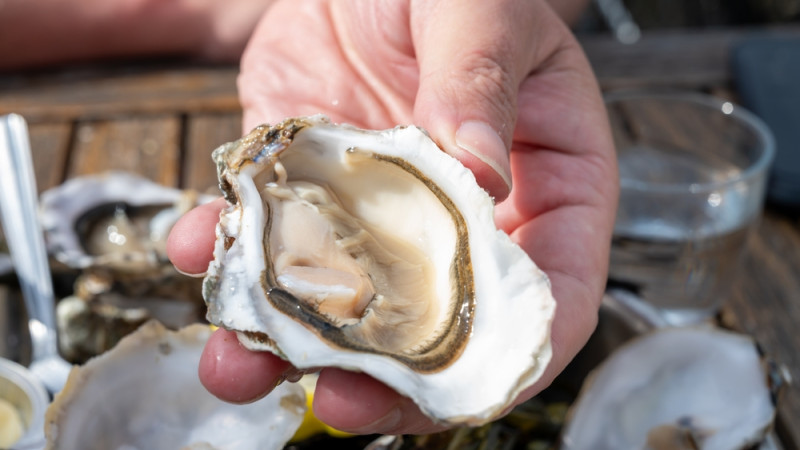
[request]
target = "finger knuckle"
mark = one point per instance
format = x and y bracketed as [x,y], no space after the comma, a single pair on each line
[491,79]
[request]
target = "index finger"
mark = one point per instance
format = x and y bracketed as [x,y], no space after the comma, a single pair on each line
[190,245]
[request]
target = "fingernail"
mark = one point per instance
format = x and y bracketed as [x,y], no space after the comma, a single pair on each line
[479,139]
[188,274]
[388,422]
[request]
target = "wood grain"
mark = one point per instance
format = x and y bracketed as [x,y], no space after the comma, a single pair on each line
[50,149]
[204,133]
[107,91]
[148,145]
[680,58]
[766,305]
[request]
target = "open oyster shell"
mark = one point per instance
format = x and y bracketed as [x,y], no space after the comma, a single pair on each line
[375,251]
[145,394]
[115,220]
[675,388]
[110,231]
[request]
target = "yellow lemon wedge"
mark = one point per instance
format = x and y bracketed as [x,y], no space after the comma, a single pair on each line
[311,424]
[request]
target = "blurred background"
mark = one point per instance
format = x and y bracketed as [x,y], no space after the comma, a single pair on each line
[660,14]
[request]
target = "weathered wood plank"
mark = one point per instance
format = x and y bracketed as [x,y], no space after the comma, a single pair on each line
[106,92]
[148,145]
[204,133]
[49,147]
[692,59]
[766,305]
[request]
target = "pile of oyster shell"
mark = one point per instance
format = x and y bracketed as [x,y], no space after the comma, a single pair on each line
[106,235]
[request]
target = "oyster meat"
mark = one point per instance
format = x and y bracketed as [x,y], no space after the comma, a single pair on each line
[115,220]
[109,230]
[375,251]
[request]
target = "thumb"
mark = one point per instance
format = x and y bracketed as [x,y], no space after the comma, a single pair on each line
[473,55]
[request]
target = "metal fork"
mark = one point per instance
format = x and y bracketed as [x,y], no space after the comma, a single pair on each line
[19,215]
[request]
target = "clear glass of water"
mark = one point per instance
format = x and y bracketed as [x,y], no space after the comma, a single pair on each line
[693,173]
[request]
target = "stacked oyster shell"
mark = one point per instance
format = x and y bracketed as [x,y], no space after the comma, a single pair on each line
[377,252]
[107,235]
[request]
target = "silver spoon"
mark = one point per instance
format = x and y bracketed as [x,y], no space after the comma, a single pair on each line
[19,215]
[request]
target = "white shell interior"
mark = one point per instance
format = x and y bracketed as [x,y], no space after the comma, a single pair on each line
[145,394]
[701,379]
[62,206]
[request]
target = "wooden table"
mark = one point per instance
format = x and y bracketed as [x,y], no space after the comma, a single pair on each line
[766,299]
[163,120]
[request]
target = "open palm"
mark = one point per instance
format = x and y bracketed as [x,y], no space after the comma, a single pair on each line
[482,78]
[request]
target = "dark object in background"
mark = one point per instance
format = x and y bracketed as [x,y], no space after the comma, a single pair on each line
[767,76]
[651,14]
[776,10]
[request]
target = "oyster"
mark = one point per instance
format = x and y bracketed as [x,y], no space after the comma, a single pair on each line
[99,313]
[111,229]
[375,251]
[115,220]
[676,388]
[145,394]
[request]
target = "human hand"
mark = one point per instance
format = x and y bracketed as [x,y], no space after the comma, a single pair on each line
[482,78]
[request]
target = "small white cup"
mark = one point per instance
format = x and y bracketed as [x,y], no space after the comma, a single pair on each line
[28,396]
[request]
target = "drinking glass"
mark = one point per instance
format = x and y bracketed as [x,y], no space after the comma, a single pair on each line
[693,171]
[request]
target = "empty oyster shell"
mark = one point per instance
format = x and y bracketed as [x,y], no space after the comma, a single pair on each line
[375,251]
[145,394]
[676,388]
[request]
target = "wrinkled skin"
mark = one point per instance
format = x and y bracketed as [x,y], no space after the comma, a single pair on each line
[512,66]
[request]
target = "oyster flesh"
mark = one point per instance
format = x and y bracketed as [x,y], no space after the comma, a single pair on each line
[107,233]
[375,251]
[145,394]
[115,220]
